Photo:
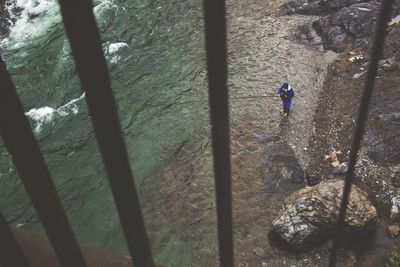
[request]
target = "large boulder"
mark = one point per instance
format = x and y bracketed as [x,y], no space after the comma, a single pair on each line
[355,24]
[349,24]
[313,211]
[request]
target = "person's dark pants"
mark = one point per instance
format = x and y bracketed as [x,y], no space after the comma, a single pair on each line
[286,106]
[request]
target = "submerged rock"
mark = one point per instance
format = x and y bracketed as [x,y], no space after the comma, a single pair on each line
[313,211]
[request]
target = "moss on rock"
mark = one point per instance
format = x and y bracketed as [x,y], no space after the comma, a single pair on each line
[393,259]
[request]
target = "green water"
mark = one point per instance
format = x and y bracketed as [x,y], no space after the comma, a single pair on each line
[155,56]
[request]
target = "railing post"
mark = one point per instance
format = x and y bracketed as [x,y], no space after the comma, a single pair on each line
[28,159]
[10,251]
[85,42]
[216,50]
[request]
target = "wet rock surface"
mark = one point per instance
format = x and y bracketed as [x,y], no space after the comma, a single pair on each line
[312,211]
[351,24]
[267,152]
[282,171]
[315,7]
[377,167]
[341,169]
[396,180]
[348,23]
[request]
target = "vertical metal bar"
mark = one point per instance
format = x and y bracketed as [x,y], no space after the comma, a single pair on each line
[215,29]
[21,143]
[10,251]
[361,120]
[86,47]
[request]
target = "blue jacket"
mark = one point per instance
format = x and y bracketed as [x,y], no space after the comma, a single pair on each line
[286,95]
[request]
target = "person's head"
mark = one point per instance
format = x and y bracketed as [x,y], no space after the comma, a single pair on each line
[285,86]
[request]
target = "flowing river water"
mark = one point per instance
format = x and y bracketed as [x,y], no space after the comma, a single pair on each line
[155,54]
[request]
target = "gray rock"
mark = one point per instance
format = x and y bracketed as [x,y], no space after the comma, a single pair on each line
[304,34]
[388,63]
[396,180]
[283,171]
[336,39]
[355,23]
[341,169]
[394,211]
[358,20]
[384,154]
[311,211]
[392,46]
[312,179]
[315,7]
[369,138]
[349,24]
[393,118]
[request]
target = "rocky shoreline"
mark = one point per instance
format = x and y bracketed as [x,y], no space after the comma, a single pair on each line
[376,170]
[347,28]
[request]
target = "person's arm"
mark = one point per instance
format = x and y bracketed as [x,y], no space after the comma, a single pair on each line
[280,90]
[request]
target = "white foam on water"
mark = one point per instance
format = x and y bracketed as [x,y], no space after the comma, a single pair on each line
[71,106]
[103,6]
[46,115]
[111,51]
[65,52]
[114,47]
[33,18]
[40,116]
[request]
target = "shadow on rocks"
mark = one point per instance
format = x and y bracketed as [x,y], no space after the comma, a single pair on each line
[357,241]
[282,170]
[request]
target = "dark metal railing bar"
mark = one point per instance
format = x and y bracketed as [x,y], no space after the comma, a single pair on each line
[361,121]
[23,147]
[85,42]
[11,253]
[216,49]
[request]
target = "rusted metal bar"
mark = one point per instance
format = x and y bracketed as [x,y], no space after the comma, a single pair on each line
[10,251]
[86,47]
[380,35]
[216,49]
[27,157]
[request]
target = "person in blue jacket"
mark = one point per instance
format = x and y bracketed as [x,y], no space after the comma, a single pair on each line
[286,93]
